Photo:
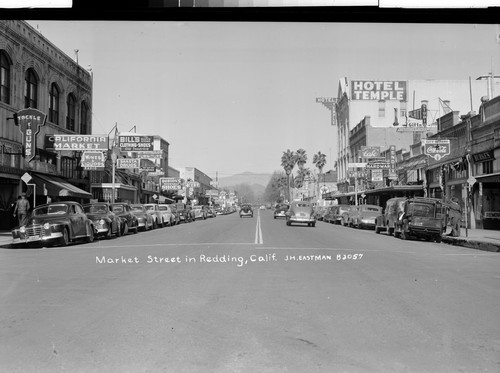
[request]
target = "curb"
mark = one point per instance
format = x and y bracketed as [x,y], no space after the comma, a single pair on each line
[472,244]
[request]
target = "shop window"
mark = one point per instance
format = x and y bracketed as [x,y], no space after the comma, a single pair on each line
[54,104]
[381,108]
[71,112]
[488,167]
[30,89]
[5,64]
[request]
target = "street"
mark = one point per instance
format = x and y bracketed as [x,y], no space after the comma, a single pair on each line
[232,294]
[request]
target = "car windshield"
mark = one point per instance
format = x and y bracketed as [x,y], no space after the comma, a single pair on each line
[96,209]
[149,208]
[423,209]
[137,208]
[118,208]
[303,205]
[370,208]
[51,210]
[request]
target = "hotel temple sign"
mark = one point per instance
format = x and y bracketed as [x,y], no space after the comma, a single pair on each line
[378,90]
[29,122]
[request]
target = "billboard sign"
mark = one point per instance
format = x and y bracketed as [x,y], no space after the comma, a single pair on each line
[155,154]
[437,149]
[93,160]
[61,142]
[136,143]
[128,163]
[377,175]
[378,165]
[370,152]
[378,90]
[29,122]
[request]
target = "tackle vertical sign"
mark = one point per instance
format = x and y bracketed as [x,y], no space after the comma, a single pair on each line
[29,122]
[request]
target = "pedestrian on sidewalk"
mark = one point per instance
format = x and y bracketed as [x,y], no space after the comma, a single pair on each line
[21,209]
[454,216]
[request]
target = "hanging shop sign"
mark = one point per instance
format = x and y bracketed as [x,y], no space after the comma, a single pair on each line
[212,193]
[128,163]
[92,160]
[484,156]
[170,183]
[378,165]
[377,175]
[192,184]
[62,142]
[378,90]
[370,152]
[392,156]
[29,122]
[135,143]
[155,154]
[437,149]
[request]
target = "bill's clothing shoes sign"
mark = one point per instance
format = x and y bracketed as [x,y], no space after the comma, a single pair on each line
[29,122]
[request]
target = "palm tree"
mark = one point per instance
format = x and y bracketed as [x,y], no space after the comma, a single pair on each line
[288,161]
[302,175]
[301,158]
[319,161]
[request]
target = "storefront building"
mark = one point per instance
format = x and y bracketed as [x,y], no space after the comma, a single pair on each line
[36,74]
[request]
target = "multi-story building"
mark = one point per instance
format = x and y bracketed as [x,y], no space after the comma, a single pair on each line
[197,184]
[35,74]
[394,104]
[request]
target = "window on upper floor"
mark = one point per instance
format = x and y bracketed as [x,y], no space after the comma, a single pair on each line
[31,89]
[381,108]
[54,103]
[84,118]
[71,112]
[488,167]
[5,64]
[402,108]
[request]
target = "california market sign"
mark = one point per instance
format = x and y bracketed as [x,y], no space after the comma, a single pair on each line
[437,149]
[62,142]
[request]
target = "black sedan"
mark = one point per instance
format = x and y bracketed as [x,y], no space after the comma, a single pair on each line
[129,221]
[55,223]
[106,223]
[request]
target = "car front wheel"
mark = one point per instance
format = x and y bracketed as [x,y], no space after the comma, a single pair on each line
[64,240]
[90,234]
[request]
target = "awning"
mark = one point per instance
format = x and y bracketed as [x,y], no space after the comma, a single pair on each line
[56,187]
[488,178]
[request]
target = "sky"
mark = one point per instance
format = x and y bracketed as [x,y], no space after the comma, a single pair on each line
[232,97]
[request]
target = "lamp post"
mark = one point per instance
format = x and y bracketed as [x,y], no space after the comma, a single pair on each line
[113,160]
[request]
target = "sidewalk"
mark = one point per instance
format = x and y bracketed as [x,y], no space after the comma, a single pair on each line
[479,239]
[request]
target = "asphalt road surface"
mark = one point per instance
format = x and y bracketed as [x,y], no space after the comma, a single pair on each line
[232,294]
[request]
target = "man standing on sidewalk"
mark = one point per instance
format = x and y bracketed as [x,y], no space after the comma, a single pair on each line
[454,216]
[21,209]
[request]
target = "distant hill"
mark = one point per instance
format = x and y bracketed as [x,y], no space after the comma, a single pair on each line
[257,182]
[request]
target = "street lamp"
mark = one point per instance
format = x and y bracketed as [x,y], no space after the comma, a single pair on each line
[113,160]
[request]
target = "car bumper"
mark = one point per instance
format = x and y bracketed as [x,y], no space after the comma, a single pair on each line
[37,238]
[299,219]
[279,215]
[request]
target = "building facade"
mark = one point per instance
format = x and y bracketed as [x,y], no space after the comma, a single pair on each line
[35,74]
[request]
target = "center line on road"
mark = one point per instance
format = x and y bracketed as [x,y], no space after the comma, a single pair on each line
[258,231]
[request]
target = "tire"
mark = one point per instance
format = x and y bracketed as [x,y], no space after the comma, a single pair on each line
[313,225]
[110,232]
[64,240]
[390,231]
[90,237]
[125,229]
[288,223]
[377,230]
[155,224]
[438,239]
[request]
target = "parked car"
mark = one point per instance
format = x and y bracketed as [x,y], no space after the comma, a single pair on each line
[106,223]
[144,219]
[200,212]
[185,213]
[343,214]
[168,217]
[156,215]
[129,222]
[55,223]
[386,221]
[246,210]
[330,214]
[211,213]
[173,208]
[301,212]
[280,210]
[422,218]
[364,216]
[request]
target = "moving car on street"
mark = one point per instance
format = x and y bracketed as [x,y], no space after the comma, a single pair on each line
[129,222]
[246,210]
[144,219]
[301,212]
[55,223]
[280,210]
[106,223]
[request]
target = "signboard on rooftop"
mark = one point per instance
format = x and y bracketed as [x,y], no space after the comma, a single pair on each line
[378,90]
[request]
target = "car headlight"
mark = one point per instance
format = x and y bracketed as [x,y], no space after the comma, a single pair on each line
[22,229]
[46,226]
[102,222]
